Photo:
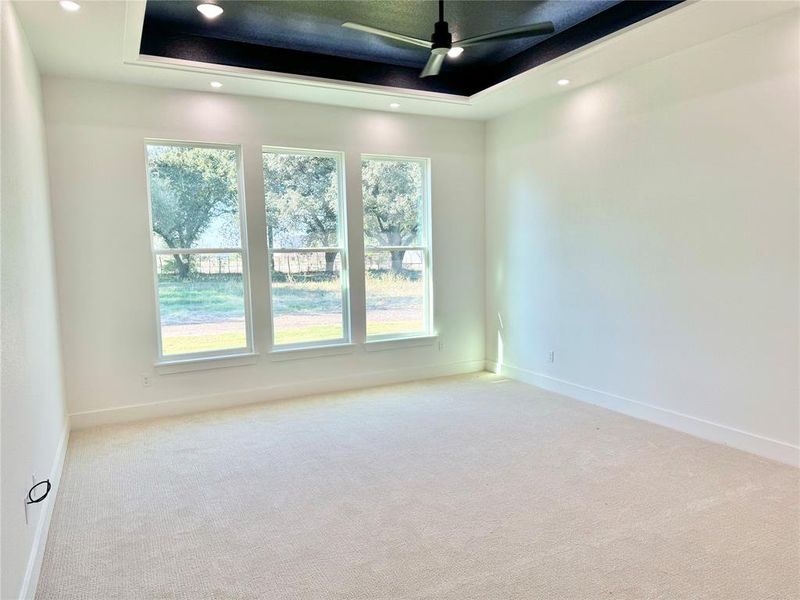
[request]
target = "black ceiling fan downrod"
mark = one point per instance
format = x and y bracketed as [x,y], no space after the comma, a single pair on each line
[441,38]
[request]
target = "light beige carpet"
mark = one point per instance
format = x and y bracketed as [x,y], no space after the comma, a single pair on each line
[459,488]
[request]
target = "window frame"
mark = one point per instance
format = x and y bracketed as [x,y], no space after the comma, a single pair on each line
[342,249]
[425,248]
[249,348]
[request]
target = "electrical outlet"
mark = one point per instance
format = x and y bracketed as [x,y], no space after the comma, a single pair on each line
[551,356]
[147,379]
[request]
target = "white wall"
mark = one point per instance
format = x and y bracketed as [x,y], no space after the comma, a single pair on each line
[32,414]
[96,135]
[645,229]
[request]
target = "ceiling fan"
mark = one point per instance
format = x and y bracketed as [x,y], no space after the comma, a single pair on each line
[442,40]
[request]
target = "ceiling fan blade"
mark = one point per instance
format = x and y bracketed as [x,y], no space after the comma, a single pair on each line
[388,34]
[514,33]
[434,64]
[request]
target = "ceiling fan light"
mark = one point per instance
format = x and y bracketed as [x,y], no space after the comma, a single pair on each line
[69,5]
[210,11]
[455,52]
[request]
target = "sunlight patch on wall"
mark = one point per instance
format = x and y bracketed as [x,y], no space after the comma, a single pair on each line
[500,348]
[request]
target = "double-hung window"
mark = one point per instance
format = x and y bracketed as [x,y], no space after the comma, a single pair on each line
[306,234]
[396,198]
[198,248]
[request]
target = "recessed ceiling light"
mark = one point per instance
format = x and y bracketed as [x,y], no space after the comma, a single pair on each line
[216,84]
[455,52]
[394,105]
[210,11]
[563,82]
[69,5]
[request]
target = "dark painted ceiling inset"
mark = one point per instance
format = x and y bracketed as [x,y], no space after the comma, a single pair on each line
[306,37]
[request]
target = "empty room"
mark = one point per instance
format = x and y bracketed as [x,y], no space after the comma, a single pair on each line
[400,299]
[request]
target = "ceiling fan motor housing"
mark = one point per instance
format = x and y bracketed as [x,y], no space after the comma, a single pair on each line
[441,38]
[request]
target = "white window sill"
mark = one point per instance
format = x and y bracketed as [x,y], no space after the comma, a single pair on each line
[400,342]
[166,367]
[299,353]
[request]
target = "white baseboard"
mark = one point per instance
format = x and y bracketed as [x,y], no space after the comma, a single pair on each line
[31,579]
[707,430]
[180,406]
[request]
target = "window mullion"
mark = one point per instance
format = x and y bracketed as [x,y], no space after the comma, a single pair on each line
[305,250]
[393,248]
[196,250]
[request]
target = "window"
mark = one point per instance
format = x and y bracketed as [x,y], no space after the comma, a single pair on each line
[307,246]
[396,246]
[198,251]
